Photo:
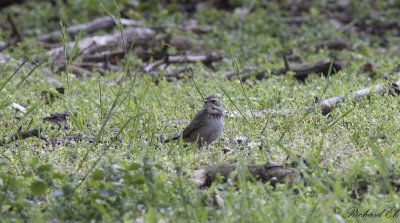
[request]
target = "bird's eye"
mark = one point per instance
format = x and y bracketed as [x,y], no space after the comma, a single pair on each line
[213,101]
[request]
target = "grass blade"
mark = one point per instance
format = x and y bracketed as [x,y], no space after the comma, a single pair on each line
[240,79]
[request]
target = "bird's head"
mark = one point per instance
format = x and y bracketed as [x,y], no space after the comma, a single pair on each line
[213,105]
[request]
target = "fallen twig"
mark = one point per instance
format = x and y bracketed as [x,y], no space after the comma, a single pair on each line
[169,59]
[15,31]
[93,26]
[273,113]
[243,72]
[328,104]
[264,172]
[77,70]
[78,138]
[99,66]
[104,56]
[59,118]
[297,19]
[67,140]
[300,71]
[331,44]
[23,135]
[141,36]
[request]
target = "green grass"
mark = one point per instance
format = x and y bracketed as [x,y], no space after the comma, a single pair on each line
[352,152]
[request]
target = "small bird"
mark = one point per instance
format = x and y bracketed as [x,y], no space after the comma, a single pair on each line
[207,125]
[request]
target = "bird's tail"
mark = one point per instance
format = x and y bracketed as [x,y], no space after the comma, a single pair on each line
[176,137]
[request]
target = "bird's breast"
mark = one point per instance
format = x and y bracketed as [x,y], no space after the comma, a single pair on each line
[213,129]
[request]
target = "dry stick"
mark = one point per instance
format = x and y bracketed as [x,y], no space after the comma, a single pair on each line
[285,60]
[23,135]
[82,51]
[151,66]
[98,43]
[105,54]
[264,172]
[297,19]
[195,29]
[78,138]
[328,104]
[244,71]
[93,26]
[99,66]
[58,118]
[301,71]
[145,37]
[14,28]
[163,58]
[170,75]
[68,139]
[331,44]
[77,70]
[206,59]
[118,54]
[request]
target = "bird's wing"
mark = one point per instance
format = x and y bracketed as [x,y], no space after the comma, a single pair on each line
[195,124]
